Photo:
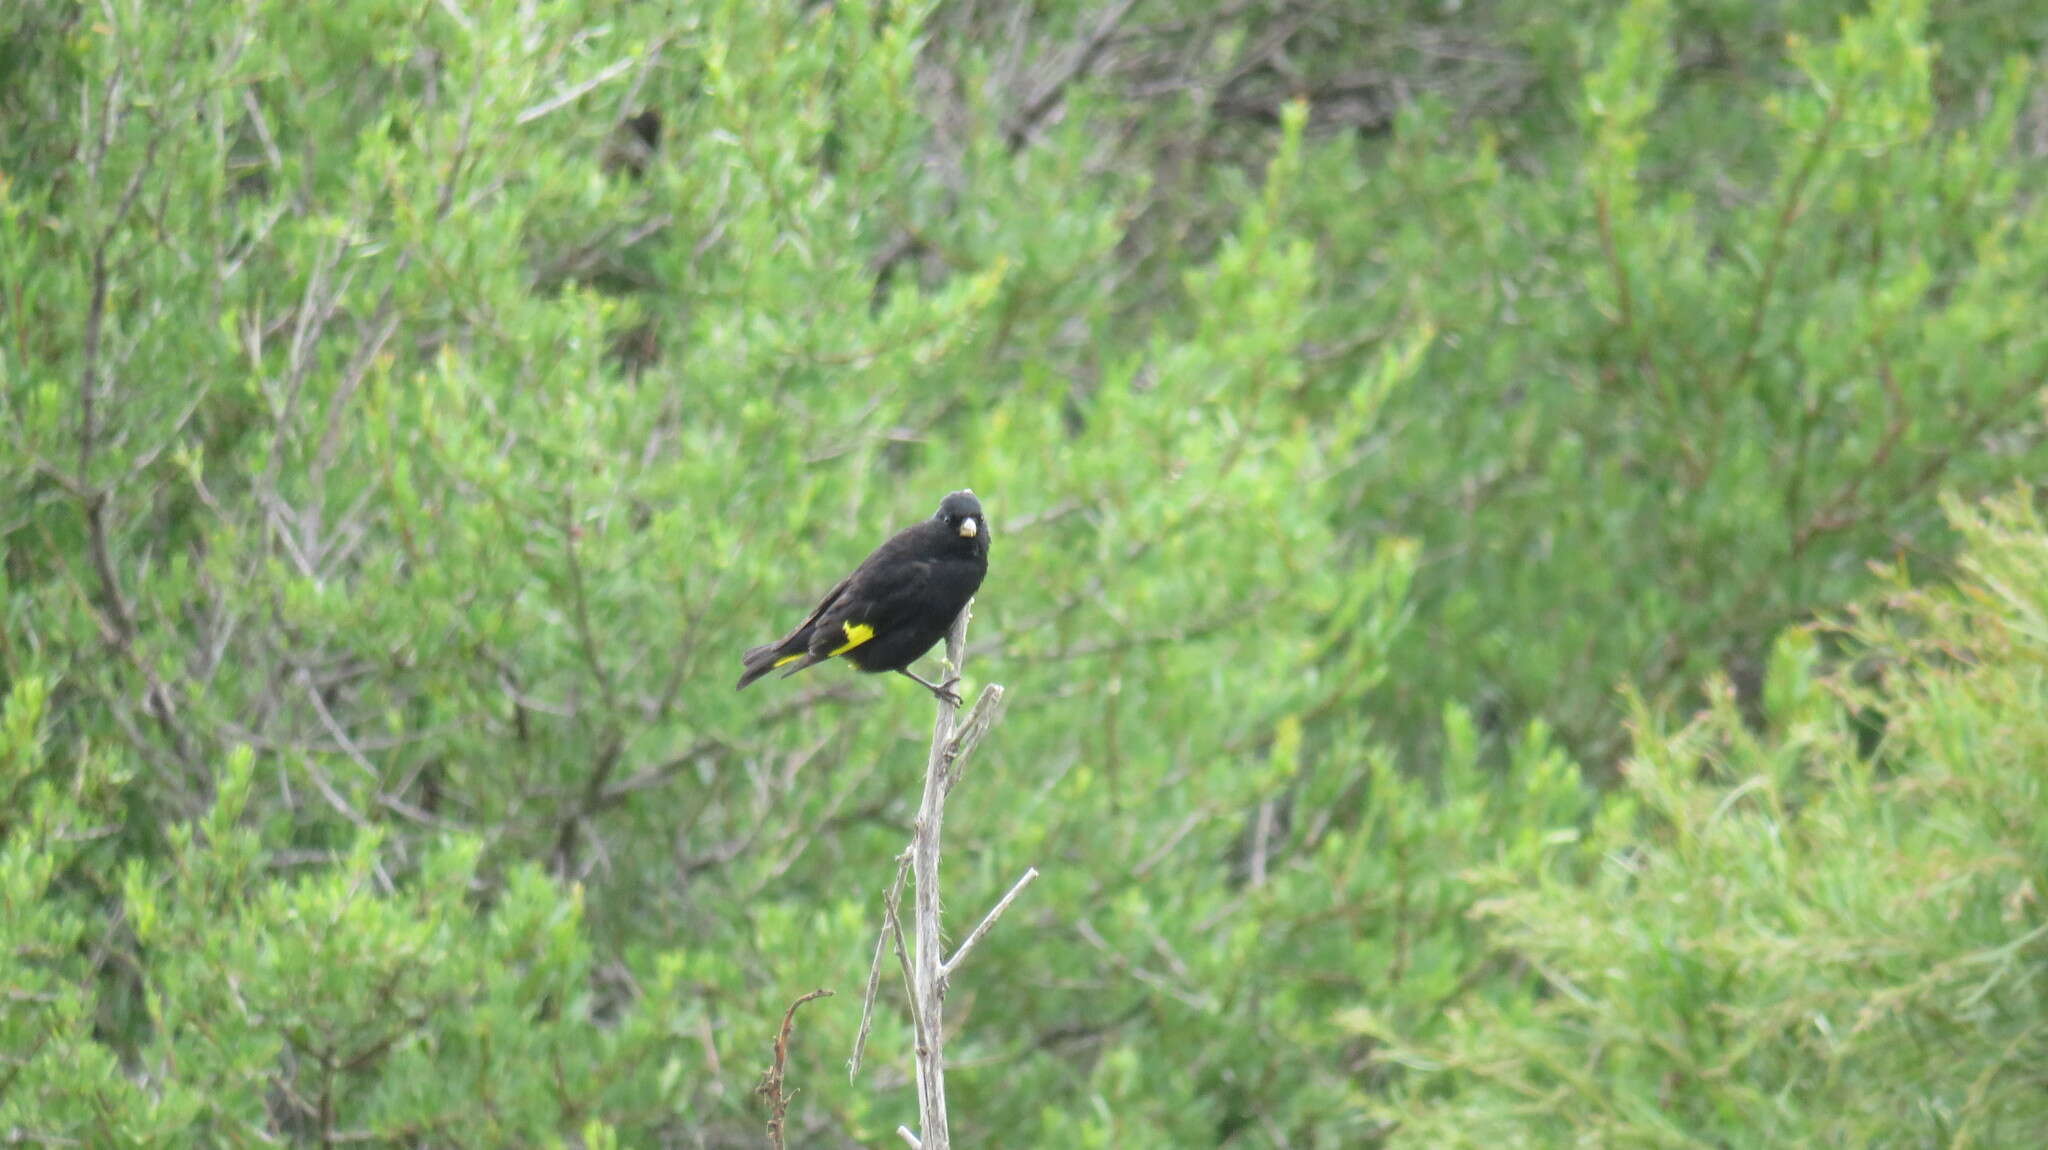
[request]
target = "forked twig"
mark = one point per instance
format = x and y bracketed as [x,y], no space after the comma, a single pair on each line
[925,967]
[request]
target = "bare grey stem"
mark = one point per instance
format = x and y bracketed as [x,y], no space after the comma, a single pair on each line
[926,968]
[927,987]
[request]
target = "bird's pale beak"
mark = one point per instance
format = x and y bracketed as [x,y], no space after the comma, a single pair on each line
[969,528]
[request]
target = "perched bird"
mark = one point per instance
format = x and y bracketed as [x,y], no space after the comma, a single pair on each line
[898,603]
[633,142]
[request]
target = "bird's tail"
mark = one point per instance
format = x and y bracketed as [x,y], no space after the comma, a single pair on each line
[793,652]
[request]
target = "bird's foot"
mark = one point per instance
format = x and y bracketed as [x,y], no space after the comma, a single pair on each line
[943,691]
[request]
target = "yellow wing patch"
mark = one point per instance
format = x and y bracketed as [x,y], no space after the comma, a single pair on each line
[786,660]
[856,634]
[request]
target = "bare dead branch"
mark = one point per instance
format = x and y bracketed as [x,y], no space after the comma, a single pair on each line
[867,1003]
[988,922]
[925,968]
[926,987]
[771,1087]
[892,922]
[986,710]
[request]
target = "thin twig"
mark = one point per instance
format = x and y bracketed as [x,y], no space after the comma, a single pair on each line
[892,922]
[983,715]
[988,921]
[575,92]
[867,1002]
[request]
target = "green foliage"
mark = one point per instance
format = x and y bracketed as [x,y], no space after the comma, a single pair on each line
[51,829]
[1669,406]
[397,447]
[327,1005]
[1791,943]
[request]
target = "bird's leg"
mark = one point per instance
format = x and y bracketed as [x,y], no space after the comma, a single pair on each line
[942,690]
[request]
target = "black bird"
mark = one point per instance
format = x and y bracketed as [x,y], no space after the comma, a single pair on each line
[898,603]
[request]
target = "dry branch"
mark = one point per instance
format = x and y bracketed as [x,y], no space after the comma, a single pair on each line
[926,990]
[771,1083]
[890,929]
[988,922]
[925,966]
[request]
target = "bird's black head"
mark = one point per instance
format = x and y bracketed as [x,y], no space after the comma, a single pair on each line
[961,512]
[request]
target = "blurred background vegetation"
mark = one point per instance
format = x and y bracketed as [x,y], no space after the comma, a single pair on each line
[1516,567]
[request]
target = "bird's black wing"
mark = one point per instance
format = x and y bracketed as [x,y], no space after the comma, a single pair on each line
[760,660]
[878,598]
[831,599]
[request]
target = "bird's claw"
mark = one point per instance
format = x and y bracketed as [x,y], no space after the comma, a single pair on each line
[945,691]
